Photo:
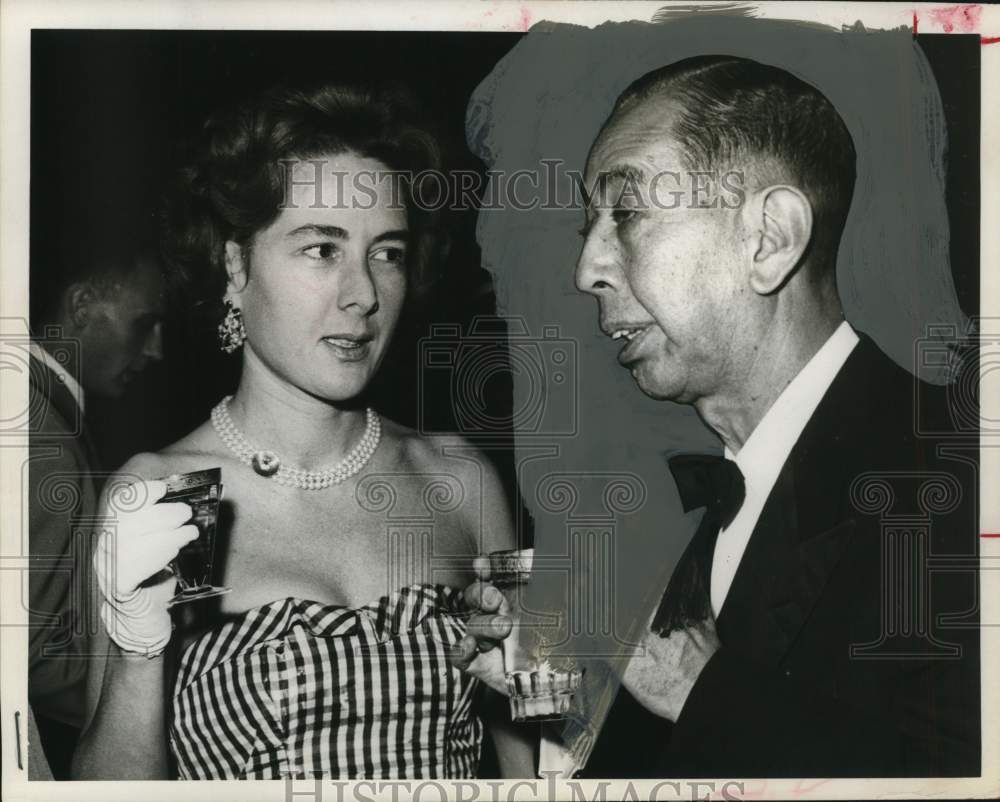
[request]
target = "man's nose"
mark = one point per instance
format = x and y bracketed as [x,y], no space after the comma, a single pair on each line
[153,348]
[356,288]
[597,266]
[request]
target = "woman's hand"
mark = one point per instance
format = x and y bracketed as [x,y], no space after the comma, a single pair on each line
[139,538]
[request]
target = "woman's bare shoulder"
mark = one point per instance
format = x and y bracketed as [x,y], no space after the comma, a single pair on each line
[449,454]
[198,449]
[488,514]
[429,452]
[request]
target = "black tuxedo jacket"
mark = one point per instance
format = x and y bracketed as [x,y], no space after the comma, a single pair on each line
[850,642]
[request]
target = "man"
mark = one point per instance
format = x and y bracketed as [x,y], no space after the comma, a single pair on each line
[775,650]
[97,308]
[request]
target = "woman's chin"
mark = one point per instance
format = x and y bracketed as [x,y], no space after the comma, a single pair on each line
[343,391]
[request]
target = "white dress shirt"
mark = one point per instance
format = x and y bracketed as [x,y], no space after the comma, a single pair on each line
[767,448]
[760,460]
[67,378]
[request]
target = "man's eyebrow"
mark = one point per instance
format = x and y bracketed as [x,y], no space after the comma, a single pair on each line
[626,172]
[315,228]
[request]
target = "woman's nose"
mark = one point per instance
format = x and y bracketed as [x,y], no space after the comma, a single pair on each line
[357,288]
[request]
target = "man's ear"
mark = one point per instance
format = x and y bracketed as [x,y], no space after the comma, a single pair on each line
[784,225]
[78,300]
[236,269]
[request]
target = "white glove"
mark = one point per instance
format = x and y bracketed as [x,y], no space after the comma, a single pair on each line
[138,539]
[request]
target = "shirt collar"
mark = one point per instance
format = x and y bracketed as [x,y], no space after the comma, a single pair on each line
[69,381]
[769,444]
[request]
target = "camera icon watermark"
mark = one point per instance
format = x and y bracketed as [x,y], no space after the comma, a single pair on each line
[967,359]
[47,359]
[544,371]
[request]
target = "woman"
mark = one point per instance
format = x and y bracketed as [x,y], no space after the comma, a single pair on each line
[311,666]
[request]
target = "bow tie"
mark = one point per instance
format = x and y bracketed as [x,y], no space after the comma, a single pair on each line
[703,481]
[709,481]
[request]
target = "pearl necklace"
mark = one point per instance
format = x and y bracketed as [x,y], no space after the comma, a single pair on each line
[266,463]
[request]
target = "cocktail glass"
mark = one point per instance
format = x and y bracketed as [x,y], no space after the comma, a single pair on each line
[540,686]
[192,566]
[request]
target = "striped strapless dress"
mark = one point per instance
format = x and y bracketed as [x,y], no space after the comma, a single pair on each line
[298,689]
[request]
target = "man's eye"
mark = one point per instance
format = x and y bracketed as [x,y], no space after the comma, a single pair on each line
[622,215]
[325,250]
[585,230]
[392,255]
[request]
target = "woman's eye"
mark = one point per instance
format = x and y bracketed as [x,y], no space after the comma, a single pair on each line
[325,250]
[392,255]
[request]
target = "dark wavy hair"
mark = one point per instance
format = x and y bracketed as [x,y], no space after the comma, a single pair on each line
[232,183]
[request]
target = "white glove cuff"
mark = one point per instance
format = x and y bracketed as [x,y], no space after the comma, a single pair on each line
[140,630]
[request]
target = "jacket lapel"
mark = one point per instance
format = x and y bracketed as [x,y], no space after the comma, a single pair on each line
[47,385]
[804,526]
[803,576]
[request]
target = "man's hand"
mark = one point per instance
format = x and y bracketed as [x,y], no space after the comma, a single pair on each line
[661,677]
[489,624]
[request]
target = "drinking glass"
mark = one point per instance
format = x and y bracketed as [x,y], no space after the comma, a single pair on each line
[540,685]
[192,566]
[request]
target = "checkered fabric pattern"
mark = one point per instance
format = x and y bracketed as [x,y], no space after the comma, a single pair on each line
[298,689]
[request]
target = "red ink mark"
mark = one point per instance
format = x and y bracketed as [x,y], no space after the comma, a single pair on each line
[990,534]
[805,786]
[964,19]
[914,23]
[752,791]
[989,40]
[525,19]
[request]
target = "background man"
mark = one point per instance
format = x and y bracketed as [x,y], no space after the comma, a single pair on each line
[97,296]
[774,651]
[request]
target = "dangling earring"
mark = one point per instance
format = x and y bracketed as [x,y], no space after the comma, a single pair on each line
[231,330]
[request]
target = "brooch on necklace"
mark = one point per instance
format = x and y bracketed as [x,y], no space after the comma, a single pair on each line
[266,463]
